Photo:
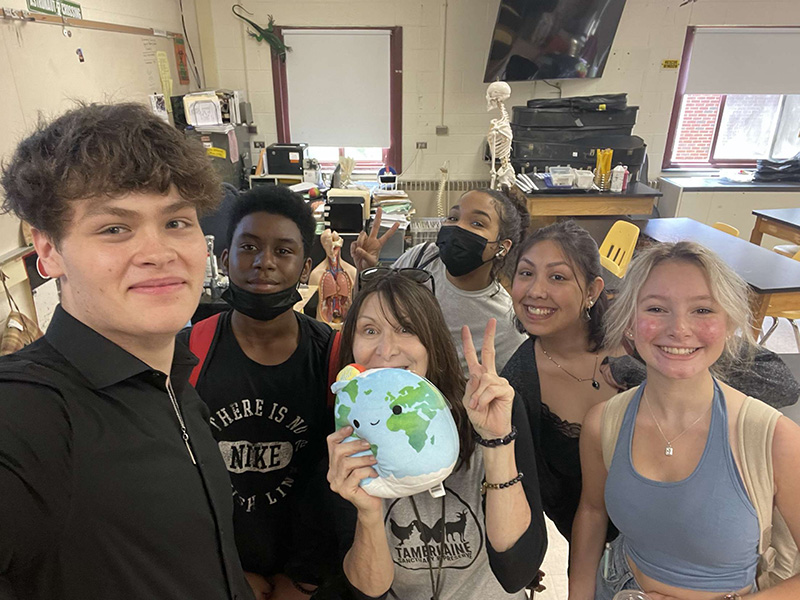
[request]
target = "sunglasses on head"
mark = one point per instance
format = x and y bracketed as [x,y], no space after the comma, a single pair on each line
[417,275]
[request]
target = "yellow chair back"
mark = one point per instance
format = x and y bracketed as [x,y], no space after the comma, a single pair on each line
[617,248]
[787,249]
[726,228]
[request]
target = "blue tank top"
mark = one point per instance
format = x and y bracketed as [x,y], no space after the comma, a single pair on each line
[700,533]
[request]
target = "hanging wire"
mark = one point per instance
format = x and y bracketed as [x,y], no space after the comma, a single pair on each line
[558,87]
[189,45]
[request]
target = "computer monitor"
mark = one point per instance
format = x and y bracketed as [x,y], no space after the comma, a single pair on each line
[345,213]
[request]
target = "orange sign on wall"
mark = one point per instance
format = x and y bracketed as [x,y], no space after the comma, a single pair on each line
[182,60]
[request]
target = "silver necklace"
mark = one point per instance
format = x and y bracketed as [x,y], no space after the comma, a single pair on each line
[669,450]
[593,378]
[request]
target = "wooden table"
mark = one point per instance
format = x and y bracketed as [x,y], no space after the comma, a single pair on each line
[783,223]
[775,279]
[638,199]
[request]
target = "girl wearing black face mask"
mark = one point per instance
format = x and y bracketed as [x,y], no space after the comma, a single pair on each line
[471,250]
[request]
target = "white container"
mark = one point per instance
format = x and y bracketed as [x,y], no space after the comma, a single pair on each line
[619,178]
[584,180]
[562,176]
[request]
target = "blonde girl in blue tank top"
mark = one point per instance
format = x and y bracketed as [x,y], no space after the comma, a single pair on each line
[688,530]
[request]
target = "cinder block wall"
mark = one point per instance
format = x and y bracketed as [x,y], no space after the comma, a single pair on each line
[649,32]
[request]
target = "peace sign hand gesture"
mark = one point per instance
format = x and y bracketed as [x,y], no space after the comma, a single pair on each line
[366,249]
[488,398]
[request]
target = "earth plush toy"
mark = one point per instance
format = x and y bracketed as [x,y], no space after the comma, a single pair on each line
[408,424]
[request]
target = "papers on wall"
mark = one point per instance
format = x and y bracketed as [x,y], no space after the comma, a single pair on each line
[164,74]
[159,106]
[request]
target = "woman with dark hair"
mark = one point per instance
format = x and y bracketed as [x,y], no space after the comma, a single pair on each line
[466,545]
[472,249]
[559,300]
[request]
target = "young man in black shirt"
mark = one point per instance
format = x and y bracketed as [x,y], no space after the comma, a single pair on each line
[264,377]
[111,485]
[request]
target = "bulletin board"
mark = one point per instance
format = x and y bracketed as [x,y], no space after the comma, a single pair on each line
[44,72]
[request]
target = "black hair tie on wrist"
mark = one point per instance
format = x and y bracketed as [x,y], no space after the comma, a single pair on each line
[493,443]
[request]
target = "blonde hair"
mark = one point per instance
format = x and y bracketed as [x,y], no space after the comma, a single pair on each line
[727,288]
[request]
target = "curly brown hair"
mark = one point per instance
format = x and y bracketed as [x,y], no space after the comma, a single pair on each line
[414,307]
[512,209]
[102,151]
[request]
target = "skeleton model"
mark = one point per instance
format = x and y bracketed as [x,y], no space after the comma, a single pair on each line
[500,135]
[335,280]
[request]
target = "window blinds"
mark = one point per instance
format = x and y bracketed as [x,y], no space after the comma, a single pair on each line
[744,60]
[338,87]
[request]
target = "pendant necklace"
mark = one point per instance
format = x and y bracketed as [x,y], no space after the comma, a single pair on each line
[669,450]
[435,586]
[593,378]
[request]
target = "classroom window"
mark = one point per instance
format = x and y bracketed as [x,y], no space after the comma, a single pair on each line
[714,129]
[368,159]
[735,103]
[339,90]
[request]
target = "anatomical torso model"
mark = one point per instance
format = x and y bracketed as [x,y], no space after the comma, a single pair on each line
[335,280]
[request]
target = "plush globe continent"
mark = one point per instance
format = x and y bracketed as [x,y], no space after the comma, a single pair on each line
[409,427]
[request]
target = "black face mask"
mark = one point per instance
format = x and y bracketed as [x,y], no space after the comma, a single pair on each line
[461,250]
[262,307]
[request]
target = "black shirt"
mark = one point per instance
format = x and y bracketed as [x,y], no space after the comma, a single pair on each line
[556,441]
[270,422]
[100,498]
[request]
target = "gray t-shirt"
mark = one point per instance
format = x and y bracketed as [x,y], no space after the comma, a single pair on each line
[466,573]
[473,309]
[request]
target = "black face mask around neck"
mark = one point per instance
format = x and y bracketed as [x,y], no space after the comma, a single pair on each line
[261,307]
[461,250]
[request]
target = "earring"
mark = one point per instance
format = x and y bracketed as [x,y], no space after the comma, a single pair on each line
[587,314]
[628,335]
[40,268]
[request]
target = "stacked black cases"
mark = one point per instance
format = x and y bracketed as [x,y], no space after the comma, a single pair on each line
[568,131]
[579,153]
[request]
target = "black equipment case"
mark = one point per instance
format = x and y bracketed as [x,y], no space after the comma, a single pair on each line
[580,153]
[564,117]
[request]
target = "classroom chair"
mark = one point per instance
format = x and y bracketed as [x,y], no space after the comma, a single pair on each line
[726,228]
[616,250]
[791,315]
[787,249]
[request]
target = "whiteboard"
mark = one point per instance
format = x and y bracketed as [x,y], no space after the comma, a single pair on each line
[41,74]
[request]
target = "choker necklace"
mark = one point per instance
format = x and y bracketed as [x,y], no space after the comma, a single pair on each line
[593,378]
[668,450]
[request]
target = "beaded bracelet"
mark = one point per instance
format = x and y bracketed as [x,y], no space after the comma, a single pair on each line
[500,486]
[497,441]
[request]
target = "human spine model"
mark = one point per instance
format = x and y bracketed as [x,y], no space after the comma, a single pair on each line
[335,280]
[500,135]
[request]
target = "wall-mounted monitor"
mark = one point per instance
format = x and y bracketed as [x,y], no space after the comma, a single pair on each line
[552,39]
